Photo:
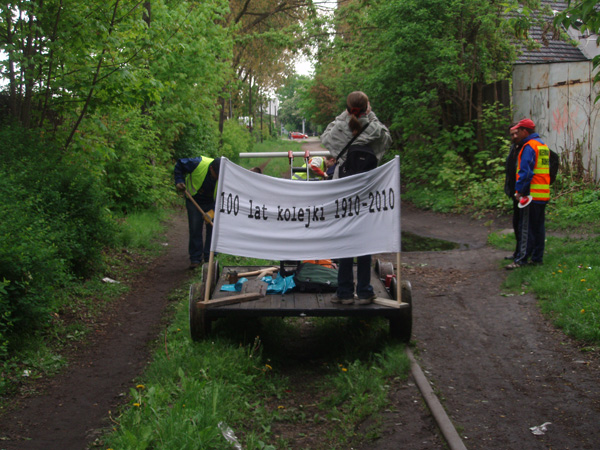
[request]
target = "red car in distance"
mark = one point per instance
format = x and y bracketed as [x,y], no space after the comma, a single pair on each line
[298,135]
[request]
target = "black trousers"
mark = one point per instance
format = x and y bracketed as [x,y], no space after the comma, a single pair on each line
[532,233]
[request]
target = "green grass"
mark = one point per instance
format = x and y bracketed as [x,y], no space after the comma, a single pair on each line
[567,286]
[246,377]
[431,199]
[504,241]
[276,167]
[580,209]
[139,229]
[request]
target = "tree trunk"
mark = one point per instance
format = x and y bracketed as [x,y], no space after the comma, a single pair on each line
[221,102]
[48,93]
[250,104]
[12,82]
[479,112]
[29,73]
[146,17]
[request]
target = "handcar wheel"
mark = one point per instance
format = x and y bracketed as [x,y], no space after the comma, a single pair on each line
[385,269]
[401,326]
[199,324]
[377,265]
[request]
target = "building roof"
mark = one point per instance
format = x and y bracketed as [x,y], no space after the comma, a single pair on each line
[551,50]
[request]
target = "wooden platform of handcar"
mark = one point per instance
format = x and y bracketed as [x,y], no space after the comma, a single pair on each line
[297,304]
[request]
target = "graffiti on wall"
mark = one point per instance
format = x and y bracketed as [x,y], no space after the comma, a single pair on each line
[569,122]
[539,109]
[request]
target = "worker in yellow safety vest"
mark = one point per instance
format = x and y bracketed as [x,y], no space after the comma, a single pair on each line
[532,191]
[198,178]
[317,167]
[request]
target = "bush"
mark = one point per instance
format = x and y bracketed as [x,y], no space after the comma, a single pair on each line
[30,263]
[135,173]
[197,140]
[236,140]
[54,226]
[451,174]
[75,205]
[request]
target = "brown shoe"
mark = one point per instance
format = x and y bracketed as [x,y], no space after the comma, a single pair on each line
[193,266]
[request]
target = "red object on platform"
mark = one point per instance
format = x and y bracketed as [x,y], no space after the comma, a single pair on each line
[388,280]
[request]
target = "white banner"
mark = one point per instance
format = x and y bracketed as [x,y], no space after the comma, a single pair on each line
[273,218]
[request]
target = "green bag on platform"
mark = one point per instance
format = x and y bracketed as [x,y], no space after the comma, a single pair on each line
[315,278]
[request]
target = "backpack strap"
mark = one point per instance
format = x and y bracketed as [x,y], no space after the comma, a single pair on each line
[351,141]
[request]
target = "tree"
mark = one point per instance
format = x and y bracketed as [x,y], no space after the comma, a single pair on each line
[266,35]
[65,63]
[295,101]
[424,63]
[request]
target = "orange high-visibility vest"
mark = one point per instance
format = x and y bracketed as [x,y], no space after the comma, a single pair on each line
[540,183]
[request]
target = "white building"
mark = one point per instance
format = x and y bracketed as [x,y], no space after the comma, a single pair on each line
[553,85]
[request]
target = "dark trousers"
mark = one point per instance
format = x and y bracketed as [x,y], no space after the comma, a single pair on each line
[198,248]
[363,277]
[532,231]
[515,223]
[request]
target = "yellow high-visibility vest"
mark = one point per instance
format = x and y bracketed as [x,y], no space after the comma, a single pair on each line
[540,183]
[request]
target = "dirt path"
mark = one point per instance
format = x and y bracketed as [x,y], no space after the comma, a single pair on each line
[497,365]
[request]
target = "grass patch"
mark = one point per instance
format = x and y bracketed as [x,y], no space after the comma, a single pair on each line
[276,167]
[139,229]
[567,286]
[504,241]
[273,383]
[430,198]
[580,208]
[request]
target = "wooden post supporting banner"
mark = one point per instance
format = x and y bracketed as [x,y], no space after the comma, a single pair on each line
[398,278]
[209,276]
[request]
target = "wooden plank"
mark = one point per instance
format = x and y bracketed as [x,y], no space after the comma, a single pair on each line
[321,299]
[288,301]
[232,299]
[390,303]
[310,301]
[261,303]
[277,301]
